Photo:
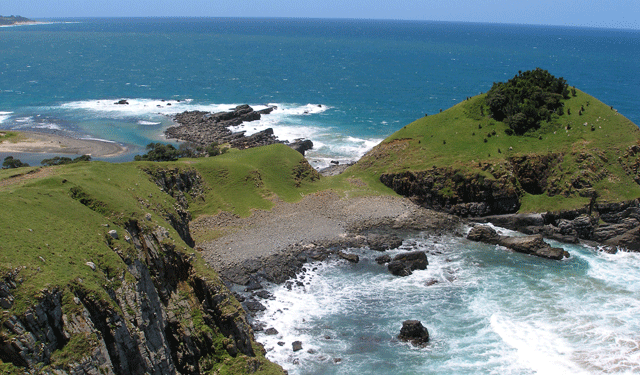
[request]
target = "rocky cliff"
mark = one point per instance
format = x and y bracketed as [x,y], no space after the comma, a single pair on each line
[158,310]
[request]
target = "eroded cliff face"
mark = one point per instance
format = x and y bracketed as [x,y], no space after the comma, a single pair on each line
[163,312]
[460,192]
[486,190]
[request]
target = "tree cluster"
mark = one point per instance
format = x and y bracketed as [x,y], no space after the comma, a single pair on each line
[165,152]
[527,99]
[9,162]
[58,160]
[159,152]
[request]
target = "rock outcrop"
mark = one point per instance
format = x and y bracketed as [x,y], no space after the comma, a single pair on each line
[458,193]
[414,332]
[405,263]
[533,245]
[612,224]
[205,128]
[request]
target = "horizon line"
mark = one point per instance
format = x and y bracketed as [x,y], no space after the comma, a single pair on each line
[347,19]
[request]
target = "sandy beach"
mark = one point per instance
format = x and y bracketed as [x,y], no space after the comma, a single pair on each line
[31,142]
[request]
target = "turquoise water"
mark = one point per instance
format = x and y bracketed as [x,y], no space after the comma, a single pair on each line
[491,311]
[373,77]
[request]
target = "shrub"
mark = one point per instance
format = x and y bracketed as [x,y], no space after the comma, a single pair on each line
[528,98]
[215,149]
[10,162]
[159,152]
[58,160]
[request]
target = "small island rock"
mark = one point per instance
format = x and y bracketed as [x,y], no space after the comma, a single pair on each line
[414,332]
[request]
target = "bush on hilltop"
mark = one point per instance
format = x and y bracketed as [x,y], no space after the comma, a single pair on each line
[527,99]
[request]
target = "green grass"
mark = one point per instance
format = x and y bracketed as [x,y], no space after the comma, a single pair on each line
[10,136]
[461,137]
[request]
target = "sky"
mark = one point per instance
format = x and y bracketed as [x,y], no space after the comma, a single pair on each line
[623,14]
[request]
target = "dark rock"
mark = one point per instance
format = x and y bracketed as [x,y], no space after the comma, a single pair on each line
[263,294]
[122,102]
[353,258]
[414,332]
[271,331]
[533,245]
[472,195]
[483,233]
[398,268]
[257,326]
[203,128]
[301,145]
[297,346]
[404,264]
[254,306]
[517,222]
[281,343]
[383,242]
[335,162]
[383,259]
[253,285]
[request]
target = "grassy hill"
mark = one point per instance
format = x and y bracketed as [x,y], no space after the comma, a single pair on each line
[587,151]
[59,258]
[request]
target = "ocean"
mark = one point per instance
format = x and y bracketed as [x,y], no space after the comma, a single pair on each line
[491,311]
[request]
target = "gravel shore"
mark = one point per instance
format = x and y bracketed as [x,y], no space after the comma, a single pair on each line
[277,238]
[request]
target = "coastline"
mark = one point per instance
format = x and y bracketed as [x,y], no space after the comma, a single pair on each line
[275,244]
[34,142]
[30,23]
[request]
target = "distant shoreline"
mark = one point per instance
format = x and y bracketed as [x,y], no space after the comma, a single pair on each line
[34,142]
[30,23]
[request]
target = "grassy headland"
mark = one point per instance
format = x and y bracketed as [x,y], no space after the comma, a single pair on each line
[588,147]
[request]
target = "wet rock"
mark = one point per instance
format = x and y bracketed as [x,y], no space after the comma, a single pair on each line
[383,259]
[205,128]
[297,346]
[353,258]
[122,102]
[384,242]
[533,245]
[254,306]
[253,285]
[271,331]
[263,294]
[404,264]
[301,145]
[414,332]
[483,233]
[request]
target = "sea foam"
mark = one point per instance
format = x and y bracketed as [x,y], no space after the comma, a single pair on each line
[5,116]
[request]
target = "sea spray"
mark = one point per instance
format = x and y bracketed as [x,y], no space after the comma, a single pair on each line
[488,310]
